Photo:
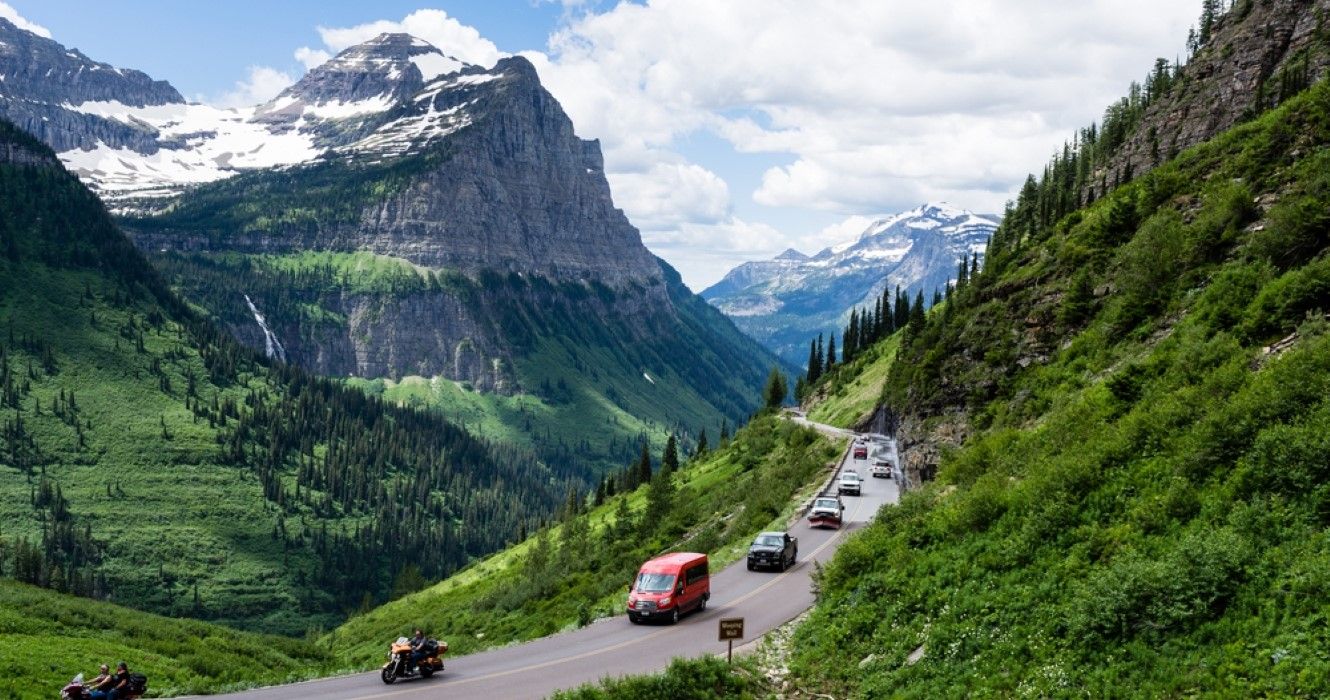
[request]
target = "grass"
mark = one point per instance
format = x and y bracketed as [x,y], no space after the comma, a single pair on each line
[721,501]
[48,637]
[853,391]
[1141,505]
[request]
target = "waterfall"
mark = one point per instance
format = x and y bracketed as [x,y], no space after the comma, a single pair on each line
[272,347]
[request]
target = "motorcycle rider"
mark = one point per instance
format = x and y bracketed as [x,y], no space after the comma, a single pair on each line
[119,682]
[99,687]
[417,648]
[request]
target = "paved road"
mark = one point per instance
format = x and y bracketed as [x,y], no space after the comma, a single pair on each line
[613,646]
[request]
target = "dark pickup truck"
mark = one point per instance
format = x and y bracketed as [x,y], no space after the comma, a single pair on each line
[773,549]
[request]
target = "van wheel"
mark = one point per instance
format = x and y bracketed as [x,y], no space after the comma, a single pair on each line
[674,616]
[632,617]
[702,605]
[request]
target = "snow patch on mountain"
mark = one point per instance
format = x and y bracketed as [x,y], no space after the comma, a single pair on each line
[785,301]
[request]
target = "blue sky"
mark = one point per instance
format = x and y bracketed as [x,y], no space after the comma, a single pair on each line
[731,130]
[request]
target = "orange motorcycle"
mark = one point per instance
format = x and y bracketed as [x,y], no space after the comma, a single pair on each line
[399,660]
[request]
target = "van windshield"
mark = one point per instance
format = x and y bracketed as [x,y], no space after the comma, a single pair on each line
[654,583]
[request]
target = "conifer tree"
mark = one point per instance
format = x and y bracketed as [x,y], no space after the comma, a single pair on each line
[776,389]
[917,318]
[831,353]
[644,464]
[669,459]
[814,362]
[701,448]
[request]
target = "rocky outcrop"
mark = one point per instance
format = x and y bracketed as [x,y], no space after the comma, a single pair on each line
[39,77]
[1260,51]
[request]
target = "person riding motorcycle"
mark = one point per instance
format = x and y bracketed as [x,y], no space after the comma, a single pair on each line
[417,648]
[99,688]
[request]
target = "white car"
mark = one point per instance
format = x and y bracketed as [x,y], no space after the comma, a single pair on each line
[850,483]
[881,469]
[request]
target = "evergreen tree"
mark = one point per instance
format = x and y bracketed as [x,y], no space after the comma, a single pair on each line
[800,389]
[917,318]
[902,309]
[776,389]
[937,297]
[831,354]
[701,448]
[644,464]
[669,459]
[962,273]
[974,265]
[814,362]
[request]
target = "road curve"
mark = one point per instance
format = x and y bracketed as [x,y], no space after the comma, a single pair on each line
[613,646]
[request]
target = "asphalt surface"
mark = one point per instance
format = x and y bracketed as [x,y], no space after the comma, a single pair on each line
[614,647]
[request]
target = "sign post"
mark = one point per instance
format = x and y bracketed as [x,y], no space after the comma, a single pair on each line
[731,628]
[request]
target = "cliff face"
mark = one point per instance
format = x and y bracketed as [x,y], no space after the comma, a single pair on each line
[1259,52]
[39,77]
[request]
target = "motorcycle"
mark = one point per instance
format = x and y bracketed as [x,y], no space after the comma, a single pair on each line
[399,660]
[138,685]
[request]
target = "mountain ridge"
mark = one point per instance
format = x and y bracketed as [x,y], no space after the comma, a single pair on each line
[787,301]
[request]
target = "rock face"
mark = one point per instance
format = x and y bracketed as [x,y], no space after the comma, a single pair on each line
[787,301]
[39,76]
[1257,52]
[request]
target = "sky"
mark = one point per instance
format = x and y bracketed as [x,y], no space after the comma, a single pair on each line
[732,129]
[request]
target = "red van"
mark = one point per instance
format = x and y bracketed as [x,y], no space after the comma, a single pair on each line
[669,586]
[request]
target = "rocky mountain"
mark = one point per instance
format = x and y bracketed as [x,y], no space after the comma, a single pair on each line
[1254,56]
[121,401]
[786,301]
[408,220]
[39,79]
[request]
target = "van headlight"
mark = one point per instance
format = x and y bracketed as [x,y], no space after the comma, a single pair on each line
[665,602]
[632,601]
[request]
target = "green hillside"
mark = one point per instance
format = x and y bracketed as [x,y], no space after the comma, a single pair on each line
[1141,508]
[148,459]
[575,570]
[49,637]
[847,397]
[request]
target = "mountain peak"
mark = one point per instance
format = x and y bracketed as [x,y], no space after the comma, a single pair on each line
[792,254]
[384,69]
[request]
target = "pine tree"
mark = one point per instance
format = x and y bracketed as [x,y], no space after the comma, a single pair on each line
[814,362]
[800,389]
[902,309]
[831,354]
[974,266]
[776,389]
[917,318]
[644,464]
[701,449]
[669,459]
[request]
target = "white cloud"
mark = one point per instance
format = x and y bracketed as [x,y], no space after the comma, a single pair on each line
[667,195]
[19,21]
[311,58]
[880,104]
[262,85]
[435,26]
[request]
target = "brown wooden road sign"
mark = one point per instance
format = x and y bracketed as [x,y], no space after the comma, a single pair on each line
[731,628]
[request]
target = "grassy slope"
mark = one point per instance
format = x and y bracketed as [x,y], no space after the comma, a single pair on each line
[1147,510]
[758,477]
[207,525]
[853,391]
[48,637]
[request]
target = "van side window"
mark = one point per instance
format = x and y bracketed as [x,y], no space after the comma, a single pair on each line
[695,574]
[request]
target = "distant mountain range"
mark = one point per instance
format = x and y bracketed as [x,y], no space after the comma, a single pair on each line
[787,301]
[433,229]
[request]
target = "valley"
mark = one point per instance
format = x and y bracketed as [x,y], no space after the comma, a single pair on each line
[381,340]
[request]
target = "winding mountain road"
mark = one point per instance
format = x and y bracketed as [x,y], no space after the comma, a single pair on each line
[613,646]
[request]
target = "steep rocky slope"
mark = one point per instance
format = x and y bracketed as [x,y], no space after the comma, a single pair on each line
[1125,414]
[1257,54]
